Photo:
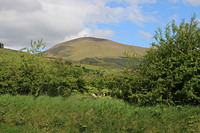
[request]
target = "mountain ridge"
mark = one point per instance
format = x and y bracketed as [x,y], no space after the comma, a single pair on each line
[90,47]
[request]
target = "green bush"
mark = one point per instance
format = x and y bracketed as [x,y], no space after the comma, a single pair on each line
[29,74]
[171,68]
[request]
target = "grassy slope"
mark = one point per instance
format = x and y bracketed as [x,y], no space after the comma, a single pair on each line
[85,114]
[11,56]
[7,53]
[81,48]
[14,56]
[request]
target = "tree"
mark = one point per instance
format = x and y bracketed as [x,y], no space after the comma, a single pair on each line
[171,67]
[36,47]
[1,45]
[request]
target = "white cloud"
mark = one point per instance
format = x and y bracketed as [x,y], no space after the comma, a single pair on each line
[135,11]
[54,21]
[193,2]
[140,1]
[22,6]
[91,33]
[145,34]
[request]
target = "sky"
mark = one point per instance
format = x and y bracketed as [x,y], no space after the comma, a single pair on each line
[131,22]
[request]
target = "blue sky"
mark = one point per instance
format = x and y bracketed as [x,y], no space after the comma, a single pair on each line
[162,10]
[131,22]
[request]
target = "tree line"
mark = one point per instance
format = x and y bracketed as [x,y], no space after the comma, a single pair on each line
[1,45]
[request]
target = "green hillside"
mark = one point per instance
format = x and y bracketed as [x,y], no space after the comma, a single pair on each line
[86,48]
[6,53]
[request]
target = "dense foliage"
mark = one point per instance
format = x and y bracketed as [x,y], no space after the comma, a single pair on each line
[28,74]
[169,73]
[171,68]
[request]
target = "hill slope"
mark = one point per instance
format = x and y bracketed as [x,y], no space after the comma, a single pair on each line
[89,47]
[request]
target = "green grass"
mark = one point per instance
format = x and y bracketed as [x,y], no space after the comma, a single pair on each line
[12,55]
[7,53]
[92,115]
[104,69]
[119,62]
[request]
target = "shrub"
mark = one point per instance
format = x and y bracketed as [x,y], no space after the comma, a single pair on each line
[32,74]
[171,67]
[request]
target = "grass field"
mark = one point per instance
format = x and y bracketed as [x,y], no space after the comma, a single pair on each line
[92,115]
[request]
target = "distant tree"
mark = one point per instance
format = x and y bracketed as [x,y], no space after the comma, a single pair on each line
[1,45]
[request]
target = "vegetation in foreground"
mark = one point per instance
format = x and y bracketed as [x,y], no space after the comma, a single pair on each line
[169,73]
[92,115]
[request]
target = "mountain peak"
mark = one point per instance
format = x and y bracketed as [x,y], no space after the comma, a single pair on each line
[91,47]
[88,39]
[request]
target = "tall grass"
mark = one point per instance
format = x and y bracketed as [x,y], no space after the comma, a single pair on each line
[92,115]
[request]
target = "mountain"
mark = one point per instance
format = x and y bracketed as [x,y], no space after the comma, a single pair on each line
[91,49]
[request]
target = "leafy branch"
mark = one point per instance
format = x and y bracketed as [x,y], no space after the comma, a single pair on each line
[36,47]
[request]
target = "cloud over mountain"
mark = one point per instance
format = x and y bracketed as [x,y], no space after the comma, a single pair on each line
[55,21]
[60,20]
